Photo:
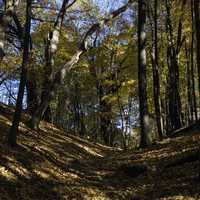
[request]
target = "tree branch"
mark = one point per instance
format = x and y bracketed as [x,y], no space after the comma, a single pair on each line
[61,73]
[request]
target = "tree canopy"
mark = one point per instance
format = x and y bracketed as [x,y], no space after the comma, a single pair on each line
[108,70]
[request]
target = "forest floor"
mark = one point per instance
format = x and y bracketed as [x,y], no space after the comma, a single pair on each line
[53,165]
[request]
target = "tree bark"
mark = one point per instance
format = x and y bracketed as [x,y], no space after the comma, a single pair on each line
[189,92]
[33,93]
[12,136]
[173,74]
[192,64]
[51,45]
[156,78]
[142,79]
[197,25]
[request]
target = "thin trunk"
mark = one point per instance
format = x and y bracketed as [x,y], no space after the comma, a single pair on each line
[12,136]
[197,25]
[192,64]
[189,96]
[82,124]
[121,111]
[156,78]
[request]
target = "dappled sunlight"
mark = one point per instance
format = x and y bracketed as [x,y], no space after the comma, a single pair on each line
[99,100]
[7,174]
[89,150]
[180,197]
[41,173]
[19,170]
[5,120]
[55,142]
[50,164]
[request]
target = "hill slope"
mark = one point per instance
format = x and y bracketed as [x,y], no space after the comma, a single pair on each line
[50,164]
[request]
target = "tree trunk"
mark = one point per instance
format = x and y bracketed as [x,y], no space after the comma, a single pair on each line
[33,94]
[156,78]
[189,94]
[142,79]
[48,115]
[105,121]
[39,112]
[2,38]
[173,74]
[51,45]
[197,25]
[12,136]
[192,64]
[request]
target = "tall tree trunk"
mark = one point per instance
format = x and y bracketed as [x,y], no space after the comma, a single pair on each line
[104,114]
[173,73]
[197,25]
[156,78]
[51,45]
[142,79]
[122,116]
[189,92]
[12,136]
[192,64]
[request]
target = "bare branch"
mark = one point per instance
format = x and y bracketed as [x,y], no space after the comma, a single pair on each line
[98,26]
[83,45]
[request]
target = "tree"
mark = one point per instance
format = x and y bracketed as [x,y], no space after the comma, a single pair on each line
[197,24]
[155,69]
[173,49]
[59,75]
[51,45]
[194,104]
[12,136]
[78,53]
[142,79]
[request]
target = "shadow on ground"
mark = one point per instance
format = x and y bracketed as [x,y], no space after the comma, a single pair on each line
[52,165]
